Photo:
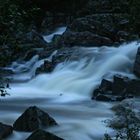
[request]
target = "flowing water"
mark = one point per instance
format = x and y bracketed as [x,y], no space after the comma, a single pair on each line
[58,31]
[66,92]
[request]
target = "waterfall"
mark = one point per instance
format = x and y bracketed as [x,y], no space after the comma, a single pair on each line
[65,93]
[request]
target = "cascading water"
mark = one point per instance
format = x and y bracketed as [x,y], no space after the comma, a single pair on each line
[26,71]
[65,93]
[58,31]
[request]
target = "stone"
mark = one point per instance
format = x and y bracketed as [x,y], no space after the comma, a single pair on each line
[133,87]
[32,119]
[122,34]
[85,38]
[102,97]
[42,135]
[119,85]
[106,85]
[137,64]
[96,30]
[118,90]
[5,130]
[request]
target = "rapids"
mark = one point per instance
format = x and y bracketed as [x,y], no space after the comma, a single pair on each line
[66,92]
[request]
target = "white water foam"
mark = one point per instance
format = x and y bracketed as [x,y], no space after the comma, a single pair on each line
[58,31]
[65,93]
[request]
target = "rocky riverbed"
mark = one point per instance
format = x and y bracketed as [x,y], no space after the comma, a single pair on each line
[65,75]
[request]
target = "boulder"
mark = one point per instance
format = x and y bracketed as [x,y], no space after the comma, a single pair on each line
[42,135]
[59,56]
[97,30]
[106,85]
[101,25]
[137,64]
[118,90]
[125,86]
[104,88]
[5,130]
[119,85]
[32,119]
[133,87]
[102,97]
[123,35]
[85,38]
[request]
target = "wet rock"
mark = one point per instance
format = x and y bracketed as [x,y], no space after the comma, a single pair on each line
[119,85]
[118,90]
[5,72]
[47,67]
[106,85]
[133,87]
[42,135]
[102,97]
[103,89]
[123,34]
[137,64]
[85,38]
[97,30]
[35,39]
[62,55]
[126,87]
[32,119]
[5,130]
[41,52]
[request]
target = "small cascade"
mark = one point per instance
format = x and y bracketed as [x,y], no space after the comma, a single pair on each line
[58,31]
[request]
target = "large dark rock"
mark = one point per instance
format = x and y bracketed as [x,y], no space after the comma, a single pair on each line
[133,87]
[118,90]
[104,89]
[102,97]
[32,119]
[62,55]
[137,64]
[84,38]
[106,85]
[97,30]
[119,85]
[5,130]
[42,135]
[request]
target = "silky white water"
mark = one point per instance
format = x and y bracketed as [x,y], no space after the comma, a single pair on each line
[58,31]
[66,92]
